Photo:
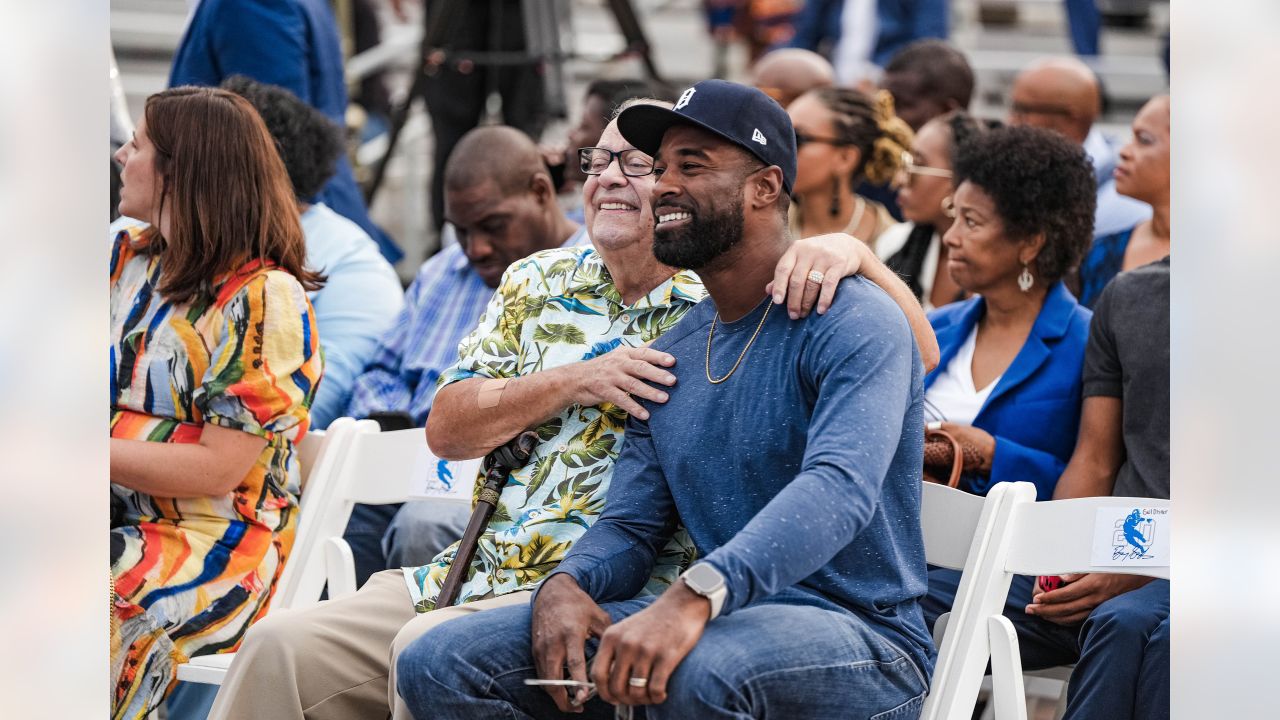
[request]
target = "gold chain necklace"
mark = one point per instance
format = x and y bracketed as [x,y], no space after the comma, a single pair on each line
[711,333]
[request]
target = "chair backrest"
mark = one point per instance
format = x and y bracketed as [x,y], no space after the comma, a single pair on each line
[308,452]
[950,519]
[375,468]
[1090,535]
[320,454]
[965,531]
[1017,535]
[382,468]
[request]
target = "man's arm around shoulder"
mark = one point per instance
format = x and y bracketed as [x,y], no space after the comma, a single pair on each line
[473,416]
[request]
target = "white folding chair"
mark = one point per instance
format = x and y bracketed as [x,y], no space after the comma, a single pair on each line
[320,457]
[378,470]
[1026,538]
[964,532]
[1050,538]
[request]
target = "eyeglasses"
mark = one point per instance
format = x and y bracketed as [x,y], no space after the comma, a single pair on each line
[632,162]
[910,167]
[802,139]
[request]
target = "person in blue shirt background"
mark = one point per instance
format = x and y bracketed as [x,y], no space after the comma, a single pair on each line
[363,294]
[1008,381]
[290,43]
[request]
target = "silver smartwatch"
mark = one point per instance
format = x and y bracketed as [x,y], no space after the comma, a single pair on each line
[707,582]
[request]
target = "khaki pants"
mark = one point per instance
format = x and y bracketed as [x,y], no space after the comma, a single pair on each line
[334,660]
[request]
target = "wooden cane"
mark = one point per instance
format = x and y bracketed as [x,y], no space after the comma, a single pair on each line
[498,466]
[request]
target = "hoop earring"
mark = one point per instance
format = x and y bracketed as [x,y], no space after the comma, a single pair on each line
[1025,279]
[948,206]
[835,196]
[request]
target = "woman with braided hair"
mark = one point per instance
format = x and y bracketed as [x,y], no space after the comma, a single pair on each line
[842,138]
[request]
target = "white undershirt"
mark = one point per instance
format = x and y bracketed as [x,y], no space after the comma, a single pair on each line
[952,396]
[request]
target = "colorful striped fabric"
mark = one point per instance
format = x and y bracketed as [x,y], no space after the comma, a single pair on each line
[191,574]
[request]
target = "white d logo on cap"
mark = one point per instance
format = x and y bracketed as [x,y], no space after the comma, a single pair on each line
[759,137]
[685,97]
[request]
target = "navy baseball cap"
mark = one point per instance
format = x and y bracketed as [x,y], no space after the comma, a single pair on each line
[738,113]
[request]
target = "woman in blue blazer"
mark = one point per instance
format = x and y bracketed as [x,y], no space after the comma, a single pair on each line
[1008,381]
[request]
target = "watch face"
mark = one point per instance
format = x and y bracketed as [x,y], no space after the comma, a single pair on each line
[703,578]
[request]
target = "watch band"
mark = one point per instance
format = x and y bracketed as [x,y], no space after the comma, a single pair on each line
[714,594]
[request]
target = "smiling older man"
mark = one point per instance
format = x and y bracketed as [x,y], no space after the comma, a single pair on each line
[560,350]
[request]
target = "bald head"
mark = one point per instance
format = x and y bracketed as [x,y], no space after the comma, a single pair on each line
[788,73]
[1060,94]
[499,153]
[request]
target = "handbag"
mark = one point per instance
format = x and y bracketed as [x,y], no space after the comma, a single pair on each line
[946,458]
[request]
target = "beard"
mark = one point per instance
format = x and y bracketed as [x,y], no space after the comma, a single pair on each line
[701,240]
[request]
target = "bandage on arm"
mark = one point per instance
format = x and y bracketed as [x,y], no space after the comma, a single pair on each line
[490,393]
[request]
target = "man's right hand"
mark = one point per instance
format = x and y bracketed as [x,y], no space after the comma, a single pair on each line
[619,374]
[564,617]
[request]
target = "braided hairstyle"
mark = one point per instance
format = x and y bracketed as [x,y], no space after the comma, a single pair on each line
[870,125]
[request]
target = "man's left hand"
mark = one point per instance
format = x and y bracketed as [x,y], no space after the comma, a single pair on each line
[1074,601]
[649,645]
[835,256]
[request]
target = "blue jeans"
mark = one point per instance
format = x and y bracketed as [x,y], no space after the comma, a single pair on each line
[765,660]
[1121,651]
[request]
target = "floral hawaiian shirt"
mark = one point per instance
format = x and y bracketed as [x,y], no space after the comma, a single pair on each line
[554,308]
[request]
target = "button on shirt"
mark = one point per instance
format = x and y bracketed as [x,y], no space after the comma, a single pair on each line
[555,308]
[443,304]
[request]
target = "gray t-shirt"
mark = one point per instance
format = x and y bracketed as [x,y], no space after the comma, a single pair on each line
[1128,358]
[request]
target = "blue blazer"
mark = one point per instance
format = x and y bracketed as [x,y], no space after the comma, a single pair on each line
[1034,411]
[290,43]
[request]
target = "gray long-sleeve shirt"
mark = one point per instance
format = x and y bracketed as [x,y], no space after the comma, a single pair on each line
[798,478]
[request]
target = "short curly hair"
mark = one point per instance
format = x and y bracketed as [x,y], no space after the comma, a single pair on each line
[1041,183]
[307,140]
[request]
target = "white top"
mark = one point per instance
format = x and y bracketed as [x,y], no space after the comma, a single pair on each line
[952,396]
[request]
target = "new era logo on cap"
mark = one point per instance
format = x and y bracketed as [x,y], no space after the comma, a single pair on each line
[737,113]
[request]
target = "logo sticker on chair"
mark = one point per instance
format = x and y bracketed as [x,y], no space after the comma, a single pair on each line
[1131,536]
[437,479]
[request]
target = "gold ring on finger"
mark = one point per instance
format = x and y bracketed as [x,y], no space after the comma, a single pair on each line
[816,277]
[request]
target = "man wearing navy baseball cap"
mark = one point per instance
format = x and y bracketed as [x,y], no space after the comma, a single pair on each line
[788,448]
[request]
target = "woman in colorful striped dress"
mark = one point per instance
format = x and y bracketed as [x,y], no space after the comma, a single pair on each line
[214,362]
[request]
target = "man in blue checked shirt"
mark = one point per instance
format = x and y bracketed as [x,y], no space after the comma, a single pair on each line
[500,198]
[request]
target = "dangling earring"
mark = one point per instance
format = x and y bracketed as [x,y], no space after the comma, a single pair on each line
[835,196]
[948,206]
[1025,279]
